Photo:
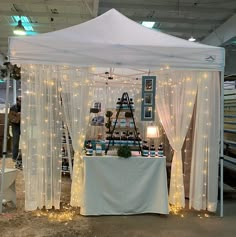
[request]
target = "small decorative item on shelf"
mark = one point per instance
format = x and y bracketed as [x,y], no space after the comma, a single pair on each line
[160,151]
[152,151]
[89,148]
[97,121]
[63,151]
[96,108]
[70,140]
[122,122]
[131,123]
[131,139]
[128,114]
[98,105]
[63,139]
[108,123]
[98,149]
[124,138]
[113,121]
[118,103]
[117,138]
[131,103]
[99,136]
[108,137]
[124,151]
[64,165]
[125,103]
[145,149]
[129,120]
[139,137]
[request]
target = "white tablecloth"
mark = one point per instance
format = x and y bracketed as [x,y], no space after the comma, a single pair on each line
[119,186]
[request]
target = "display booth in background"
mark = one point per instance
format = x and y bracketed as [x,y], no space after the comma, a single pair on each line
[62,78]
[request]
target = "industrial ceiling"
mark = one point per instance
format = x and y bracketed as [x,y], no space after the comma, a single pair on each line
[181,18]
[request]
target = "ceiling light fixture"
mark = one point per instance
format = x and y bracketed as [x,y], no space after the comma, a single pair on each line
[26,22]
[192,39]
[19,29]
[148,24]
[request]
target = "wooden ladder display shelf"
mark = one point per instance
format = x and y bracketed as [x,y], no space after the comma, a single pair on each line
[125,97]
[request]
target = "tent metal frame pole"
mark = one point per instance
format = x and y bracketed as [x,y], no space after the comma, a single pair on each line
[222,144]
[14,91]
[5,138]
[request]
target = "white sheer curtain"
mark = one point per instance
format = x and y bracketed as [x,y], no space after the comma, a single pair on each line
[205,158]
[77,94]
[176,92]
[41,136]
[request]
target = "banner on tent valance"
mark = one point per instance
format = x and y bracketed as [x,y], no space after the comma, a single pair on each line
[148,98]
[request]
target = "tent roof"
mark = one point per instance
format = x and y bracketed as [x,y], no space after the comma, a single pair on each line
[113,40]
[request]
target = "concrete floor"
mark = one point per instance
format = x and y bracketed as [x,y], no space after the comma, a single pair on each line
[187,223]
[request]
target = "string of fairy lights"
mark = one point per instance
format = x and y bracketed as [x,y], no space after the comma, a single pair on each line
[172,97]
[51,130]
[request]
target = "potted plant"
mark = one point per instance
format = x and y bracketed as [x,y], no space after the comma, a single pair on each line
[108,123]
[124,151]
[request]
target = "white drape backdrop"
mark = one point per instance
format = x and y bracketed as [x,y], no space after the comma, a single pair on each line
[176,92]
[77,94]
[205,158]
[41,136]
[107,95]
[43,88]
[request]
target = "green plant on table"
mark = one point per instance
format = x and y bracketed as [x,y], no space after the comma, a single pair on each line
[124,151]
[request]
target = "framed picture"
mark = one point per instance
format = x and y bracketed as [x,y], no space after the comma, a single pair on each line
[148,84]
[147,113]
[148,98]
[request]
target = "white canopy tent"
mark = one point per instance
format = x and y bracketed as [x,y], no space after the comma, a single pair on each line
[114,41]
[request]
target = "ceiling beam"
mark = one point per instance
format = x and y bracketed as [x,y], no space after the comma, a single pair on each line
[167,8]
[48,2]
[95,7]
[76,2]
[189,30]
[136,18]
[88,8]
[223,33]
[177,20]
[85,16]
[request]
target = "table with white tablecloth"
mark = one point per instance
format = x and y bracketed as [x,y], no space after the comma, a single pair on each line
[124,186]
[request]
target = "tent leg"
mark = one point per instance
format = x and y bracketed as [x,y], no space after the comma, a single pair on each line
[221,187]
[4,139]
[14,91]
[222,144]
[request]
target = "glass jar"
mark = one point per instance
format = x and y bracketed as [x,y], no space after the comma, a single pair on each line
[89,148]
[130,139]
[152,151]
[160,151]
[131,103]
[145,149]
[118,103]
